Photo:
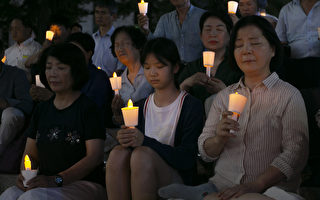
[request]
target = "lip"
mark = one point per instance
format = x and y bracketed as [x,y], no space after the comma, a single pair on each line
[212,42]
[154,81]
[248,61]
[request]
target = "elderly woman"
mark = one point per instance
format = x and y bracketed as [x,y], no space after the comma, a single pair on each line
[66,136]
[263,157]
[127,43]
[215,30]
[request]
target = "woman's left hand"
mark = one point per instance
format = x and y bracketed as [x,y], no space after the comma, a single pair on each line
[130,137]
[214,85]
[41,181]
[238,190]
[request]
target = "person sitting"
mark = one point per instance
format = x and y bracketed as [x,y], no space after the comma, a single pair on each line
[162,149]
[127,43]
[66,136]
[15,102]
[215,33]
[179,26]
[263,157]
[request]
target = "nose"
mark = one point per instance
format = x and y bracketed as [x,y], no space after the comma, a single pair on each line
[247,48]
[153,71]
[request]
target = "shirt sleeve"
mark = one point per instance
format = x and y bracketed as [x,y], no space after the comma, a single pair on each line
[160,29]
[294,138]
[182,156]
[281,29]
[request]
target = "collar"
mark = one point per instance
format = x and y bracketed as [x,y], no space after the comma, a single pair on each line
[268,82]
[26,42]
[108,34]
[189,11]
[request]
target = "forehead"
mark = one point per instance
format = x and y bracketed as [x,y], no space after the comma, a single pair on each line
[213,21]
[16,22]
[100,8]
[249,32]
[122,36]
[247,1]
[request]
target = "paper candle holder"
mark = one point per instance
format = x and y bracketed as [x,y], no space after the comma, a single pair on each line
[28,175]
[143,7]
[130,115]
[236,105]
[115,83]
[49,35]
[208,61]
[38,82]
[232,7]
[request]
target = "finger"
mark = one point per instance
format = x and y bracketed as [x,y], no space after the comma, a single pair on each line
[226,113]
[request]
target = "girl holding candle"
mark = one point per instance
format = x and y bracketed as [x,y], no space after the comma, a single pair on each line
[215,30]
[263,159]
[66,136]
[127,42]
[162,149]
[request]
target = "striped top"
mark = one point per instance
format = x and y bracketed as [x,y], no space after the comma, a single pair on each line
[273,132]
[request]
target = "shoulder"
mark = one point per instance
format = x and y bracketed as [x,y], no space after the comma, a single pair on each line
[192,104]
[286,8]
[9,50]
[198,11]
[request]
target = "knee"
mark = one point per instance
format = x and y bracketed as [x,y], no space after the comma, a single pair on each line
[142,159]
[118,157]
[12,114]
[34,194]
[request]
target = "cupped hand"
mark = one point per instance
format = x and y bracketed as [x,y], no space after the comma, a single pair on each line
[226,124]
[130,137]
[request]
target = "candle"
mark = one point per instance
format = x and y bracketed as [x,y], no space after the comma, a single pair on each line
[143,7]
[115,83]
[3,60]
[28,173]
[38,82]
[99,67]
[263,12]
[232,7]
[208,61]
[237,103]
[49,35]
[130,114]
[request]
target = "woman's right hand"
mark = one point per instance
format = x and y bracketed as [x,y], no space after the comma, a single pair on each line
[19,182]
[198,78]
[226,124]
[143,22]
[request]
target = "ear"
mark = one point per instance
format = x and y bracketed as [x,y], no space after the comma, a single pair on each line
[273,51]
[176,68]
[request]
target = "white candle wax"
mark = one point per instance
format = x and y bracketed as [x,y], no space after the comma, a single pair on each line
[28,175]
[115,83]
[130,115]
[232,7]
[38,82]
[143,7]
[49,35]
[208,61]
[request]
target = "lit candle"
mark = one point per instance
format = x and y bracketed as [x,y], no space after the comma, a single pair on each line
[237,103]
[143,7]
[130,114]
[28,173]
[3,60]
[232,7]
[208,61]
[115,83]
[99,67]
[263,12]
[49,35]
[38,82]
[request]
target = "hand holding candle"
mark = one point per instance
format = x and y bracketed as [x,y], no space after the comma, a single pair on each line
[208,61]
[232,7]
[28,173]
[237,103]
[130,114]
[115,83]
[143,7]
[38,82]
[49,35]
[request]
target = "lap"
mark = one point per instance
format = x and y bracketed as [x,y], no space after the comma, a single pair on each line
[249,196]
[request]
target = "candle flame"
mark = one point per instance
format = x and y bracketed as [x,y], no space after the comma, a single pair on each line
[3,59]
[142,1]
[99,67]
[114,75]
[130,104]
[237,93]
[27,163]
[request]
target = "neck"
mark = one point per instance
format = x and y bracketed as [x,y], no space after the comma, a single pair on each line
[182,11]
[64,99]
[103,29]
[133,69]
[164,97]
[254,79]
[219,56]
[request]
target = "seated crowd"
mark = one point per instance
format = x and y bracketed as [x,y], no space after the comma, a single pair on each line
[183,112]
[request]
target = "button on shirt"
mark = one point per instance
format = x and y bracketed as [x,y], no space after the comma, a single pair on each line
[273,132]
[17,55]
[186,36]
[102,56]
[299,29]
[140,88]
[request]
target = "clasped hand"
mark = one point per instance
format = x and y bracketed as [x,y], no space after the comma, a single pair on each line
[130,137]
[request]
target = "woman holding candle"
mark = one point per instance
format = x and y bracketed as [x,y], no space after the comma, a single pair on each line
[215,30]
[162,149]
[264,156]
[127,42]
[66,136]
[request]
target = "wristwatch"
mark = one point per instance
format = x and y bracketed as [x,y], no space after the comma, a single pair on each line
[58,180]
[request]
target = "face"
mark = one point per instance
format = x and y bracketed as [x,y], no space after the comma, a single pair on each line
[60,33]
[248,7]
[19,32]
[179,3]
[214,34]
[76,29]
[58,75]
[159,76]
[124,49]
[252,51]
[102,16]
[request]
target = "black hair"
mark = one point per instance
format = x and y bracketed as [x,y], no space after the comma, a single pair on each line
[60,20]
[221,15]
[1,49]
[71,55]
[24,20]
[267,31]
[137,37]
[83,39]
[166,51]
[109,4]
[76,25]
